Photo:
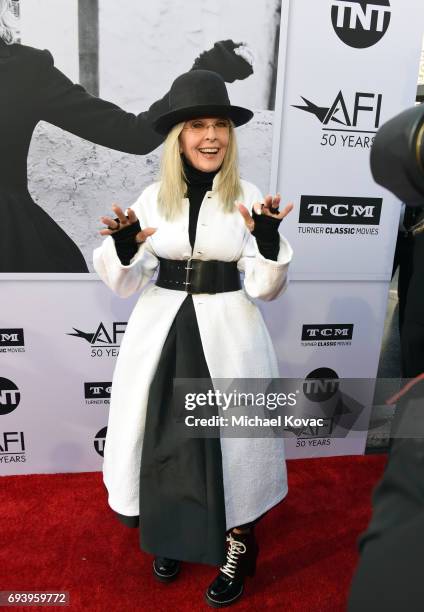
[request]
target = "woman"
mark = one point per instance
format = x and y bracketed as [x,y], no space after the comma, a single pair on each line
[195,322]
[31,90]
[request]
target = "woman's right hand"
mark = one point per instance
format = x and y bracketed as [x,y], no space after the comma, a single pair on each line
[112,226]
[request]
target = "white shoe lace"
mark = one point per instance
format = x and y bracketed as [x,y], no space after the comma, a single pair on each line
[236,548]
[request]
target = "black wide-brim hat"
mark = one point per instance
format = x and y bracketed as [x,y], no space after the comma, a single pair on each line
[199,93]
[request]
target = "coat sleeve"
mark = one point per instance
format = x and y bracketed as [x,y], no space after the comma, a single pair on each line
[264,278]
[126,280]
[72,108]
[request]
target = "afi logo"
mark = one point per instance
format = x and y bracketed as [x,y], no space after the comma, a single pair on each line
[12,337]
[327,332]
[340,210]
[101,337]
[12,442]
[97,390]
[364,113]
[9,396]
[359,23]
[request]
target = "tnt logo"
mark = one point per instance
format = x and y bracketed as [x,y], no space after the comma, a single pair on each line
[9,396]
[359,23]
[99,441]
[321,384]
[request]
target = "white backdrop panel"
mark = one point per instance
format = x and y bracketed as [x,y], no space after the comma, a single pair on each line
[336,325]
[345,94]
[54,386]
[58,421]
[335,304]
[63,379]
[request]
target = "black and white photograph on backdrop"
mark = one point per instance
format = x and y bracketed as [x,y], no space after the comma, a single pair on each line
[81,136]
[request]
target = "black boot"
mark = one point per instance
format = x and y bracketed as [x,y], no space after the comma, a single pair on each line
[165,569]
[227,588]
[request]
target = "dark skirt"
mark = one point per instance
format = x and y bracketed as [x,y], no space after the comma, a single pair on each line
[182,506]
[31,241]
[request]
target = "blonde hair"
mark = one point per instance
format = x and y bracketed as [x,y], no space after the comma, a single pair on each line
[418,229]
[8,22]
[174,182]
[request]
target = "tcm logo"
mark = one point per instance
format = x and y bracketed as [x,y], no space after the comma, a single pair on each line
[99,441]
[97,390]
[341,210]
[327,332]
[12,442]
[103,341]
[12,340]
[12,337]
[359,23]
[362,112]
[9,396]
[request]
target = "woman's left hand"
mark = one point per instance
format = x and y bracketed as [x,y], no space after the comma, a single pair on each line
[269,207]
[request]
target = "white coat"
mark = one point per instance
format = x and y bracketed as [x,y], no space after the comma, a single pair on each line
[234,337]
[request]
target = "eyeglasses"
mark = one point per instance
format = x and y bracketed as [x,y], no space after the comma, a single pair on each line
[199,127]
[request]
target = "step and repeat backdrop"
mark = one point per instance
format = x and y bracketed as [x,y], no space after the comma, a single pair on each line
[325,76]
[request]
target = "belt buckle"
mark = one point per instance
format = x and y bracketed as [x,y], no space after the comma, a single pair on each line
[187,277]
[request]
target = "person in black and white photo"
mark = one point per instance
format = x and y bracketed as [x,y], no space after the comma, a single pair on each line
[33,89]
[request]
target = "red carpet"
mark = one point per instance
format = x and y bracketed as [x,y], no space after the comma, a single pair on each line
[58,534]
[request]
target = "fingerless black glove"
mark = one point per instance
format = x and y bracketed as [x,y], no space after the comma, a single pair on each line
[267,236]
[125,244]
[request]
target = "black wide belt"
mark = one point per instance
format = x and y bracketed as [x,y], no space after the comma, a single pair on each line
[196,276]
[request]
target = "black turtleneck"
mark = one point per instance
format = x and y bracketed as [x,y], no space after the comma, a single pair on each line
[198,183]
